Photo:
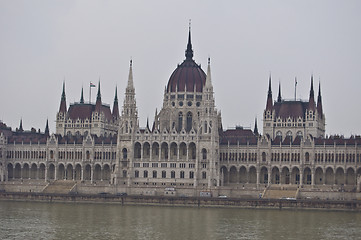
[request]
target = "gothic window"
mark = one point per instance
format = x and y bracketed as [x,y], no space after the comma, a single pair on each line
[205,127]
[307,157]
[191,174]
[180,121]
[182,174]
[125,153]
[279,134]
[172,174]
[154,174]
[263,156]
[204,154]
[164,174]
[204,175]
[136,174]
[145,174]
[189,121]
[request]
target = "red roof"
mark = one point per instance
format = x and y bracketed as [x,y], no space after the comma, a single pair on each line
[293,109]
[83,111]
[187,76]
[238,136]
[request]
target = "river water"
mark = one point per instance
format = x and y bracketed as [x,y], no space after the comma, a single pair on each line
[33,220]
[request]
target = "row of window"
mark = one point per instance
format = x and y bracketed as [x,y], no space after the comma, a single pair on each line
[25,154]
[238,156]
[164,174]
[338,157]
[171,165]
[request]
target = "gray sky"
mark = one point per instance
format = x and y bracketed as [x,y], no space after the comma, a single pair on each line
[41,42]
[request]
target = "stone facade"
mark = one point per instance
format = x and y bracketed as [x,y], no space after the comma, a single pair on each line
[186,147]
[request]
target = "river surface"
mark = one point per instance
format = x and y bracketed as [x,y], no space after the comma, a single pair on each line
[33,220]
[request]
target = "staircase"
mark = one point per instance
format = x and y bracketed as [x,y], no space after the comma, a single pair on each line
[280,193]
[59,187]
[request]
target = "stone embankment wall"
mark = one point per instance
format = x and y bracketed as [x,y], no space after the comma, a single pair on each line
[354,205]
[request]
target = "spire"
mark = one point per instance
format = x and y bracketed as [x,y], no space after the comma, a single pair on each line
[98,103]
[189,51]
[269,104]
[148,124]
[21,126]
[47,128]
[319,101]
[130,77]
[82,96]
[279,99]
[115,112]
[255,131]
[311,102]
[63,100]
[208,79]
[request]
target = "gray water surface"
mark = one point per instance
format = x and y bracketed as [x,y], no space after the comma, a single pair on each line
[32,220]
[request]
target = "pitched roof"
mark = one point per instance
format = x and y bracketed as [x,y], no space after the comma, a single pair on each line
[238,136]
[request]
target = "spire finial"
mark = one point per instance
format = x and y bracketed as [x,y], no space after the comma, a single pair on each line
[279,99]
[255,131]
[82,96]
[130,77]
[311,91]
[99,95]
[189,51]
[21,125]
[47,127]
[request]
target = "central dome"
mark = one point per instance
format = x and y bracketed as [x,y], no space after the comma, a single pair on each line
[188,76]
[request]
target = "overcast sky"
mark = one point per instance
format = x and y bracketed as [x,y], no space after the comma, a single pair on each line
[43,42]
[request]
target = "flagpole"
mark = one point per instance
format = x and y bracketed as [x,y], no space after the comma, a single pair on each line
[90,92]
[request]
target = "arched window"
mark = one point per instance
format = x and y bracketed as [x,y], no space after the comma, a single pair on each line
[307,157]
[172,174]
[125,153]
[204,154]
[87,155]
[154,174]
[145,174]
[189,121]
[182,174]
[279,134]
[164,174]
[136,174]
[263,156]
[205,127]
[191,174]
[180,121]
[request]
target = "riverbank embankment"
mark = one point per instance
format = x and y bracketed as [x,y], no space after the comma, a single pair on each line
[354,205]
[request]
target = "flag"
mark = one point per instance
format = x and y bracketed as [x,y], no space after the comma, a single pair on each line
[295,81]
[92,84]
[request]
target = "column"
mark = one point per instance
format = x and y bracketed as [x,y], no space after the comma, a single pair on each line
[312,177]
[269,176]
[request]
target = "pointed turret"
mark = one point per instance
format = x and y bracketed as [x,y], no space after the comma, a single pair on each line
[209,78]
[189,50]
[279,99]
[319,101]
[130,77]
[82,96]
[47,128]
[255,131]
[148,124]
[115,111]
[311,102]
[269,104]
[62,107]
[98,103]
[21,126]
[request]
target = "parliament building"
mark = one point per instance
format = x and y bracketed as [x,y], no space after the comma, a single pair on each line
[184,150]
